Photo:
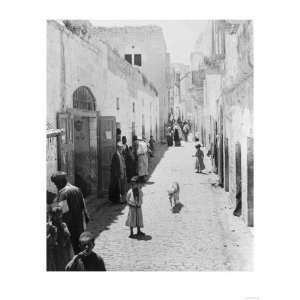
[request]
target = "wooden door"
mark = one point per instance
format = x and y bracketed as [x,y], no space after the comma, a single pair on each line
[65,121]
[107,147]
[238,171]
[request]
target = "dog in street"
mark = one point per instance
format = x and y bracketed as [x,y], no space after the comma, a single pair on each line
[173,193]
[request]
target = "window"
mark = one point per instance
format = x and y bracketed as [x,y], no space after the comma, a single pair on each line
[137,59]
[118,103]
[128,57]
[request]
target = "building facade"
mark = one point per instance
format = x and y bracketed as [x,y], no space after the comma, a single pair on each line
[143,47]
[227,110]
[90,91]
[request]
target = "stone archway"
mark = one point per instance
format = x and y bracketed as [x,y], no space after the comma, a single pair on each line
[84,99]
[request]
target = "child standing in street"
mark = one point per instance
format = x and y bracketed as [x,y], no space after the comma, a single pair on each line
[199,159]
[135,200]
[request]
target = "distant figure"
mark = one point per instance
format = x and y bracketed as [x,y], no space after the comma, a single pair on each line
[87,259]
[185,131]
[151,143]
[117,176]
[74,211]
[135,200]
[118,135]
[59,246]
[129,159]
[176,136]
[199,166]
[170,137]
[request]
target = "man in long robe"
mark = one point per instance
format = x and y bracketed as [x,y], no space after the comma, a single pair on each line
[70,198]
[117,176]
[129,160]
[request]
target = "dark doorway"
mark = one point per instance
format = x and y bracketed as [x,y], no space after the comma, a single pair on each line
[250,181]
[221,152]
[226,165]
[238,171]
[107,138]
[82,154]
[221,162]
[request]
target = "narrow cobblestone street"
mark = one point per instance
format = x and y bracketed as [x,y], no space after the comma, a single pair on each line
[203,236]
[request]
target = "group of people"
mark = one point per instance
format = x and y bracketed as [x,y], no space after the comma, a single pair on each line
[127,162]
[175,132]
[69,245]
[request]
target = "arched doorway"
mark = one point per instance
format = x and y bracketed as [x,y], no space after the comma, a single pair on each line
[85,140]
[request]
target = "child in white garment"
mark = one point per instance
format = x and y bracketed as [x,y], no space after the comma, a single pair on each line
[134,200]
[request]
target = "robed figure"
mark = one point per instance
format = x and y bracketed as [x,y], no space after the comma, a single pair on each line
[117,176]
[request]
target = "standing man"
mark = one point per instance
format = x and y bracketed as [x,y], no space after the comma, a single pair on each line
[129,159]
[142,155]
[117,176]
[70,198]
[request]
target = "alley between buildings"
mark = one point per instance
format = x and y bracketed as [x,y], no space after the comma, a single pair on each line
[203,236]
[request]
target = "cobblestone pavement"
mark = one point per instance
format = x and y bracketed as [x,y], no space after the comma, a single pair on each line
[203,236]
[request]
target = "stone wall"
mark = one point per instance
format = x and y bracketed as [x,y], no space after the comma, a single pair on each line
[149,42]
[229,102]
[75,60]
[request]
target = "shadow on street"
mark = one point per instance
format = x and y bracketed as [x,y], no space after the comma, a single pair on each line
[105,214]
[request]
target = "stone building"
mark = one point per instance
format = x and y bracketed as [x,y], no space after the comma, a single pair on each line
[181,104]
[144,47]
[227,110]
[90,91]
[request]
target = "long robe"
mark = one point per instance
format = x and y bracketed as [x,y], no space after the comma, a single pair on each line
[74,212]
[135,214]
[129,162]
[199,160]
[117,177]
[142,154]
[177,137]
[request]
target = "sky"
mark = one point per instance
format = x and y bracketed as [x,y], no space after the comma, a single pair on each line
[180,35]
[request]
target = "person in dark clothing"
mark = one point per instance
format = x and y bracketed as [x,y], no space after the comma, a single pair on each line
[135,145]
[118,135]
[117,176]
[129,159]
[59,247]
[170,137]
[176,136]
[151,145]
[87,259]
[70,198]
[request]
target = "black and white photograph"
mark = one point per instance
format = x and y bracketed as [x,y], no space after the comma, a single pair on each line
[150,145]
[151,148]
